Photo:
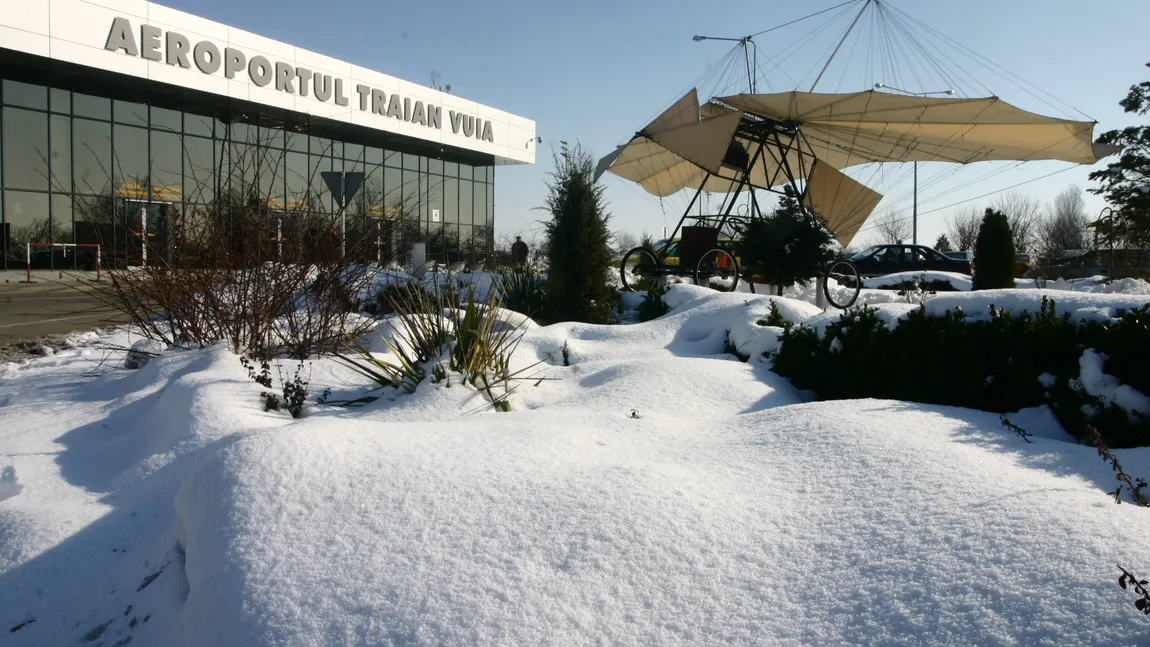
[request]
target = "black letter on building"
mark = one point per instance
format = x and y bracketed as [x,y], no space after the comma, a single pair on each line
[234,61]
[468,125]
[150,43]
[364,93]
[378,102]
[418,116]
[284,74]
[434,116]
[207,57]
[322,86]
[456,119]
[260,71]
[177,50]
[340,97]
[304,76]
[121,38]
[394,107]
[487,135]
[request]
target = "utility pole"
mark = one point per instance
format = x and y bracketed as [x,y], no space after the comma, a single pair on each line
[914,209]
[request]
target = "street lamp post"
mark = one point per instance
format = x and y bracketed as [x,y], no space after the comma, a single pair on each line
[914,210]
[750,49]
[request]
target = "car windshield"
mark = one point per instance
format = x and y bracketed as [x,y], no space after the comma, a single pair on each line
[866,252]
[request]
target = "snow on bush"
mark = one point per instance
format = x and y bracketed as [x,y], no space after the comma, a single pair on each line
[960,282]
[142,351]
[1080,306]
[1108,388]
[610,530]
[9,485]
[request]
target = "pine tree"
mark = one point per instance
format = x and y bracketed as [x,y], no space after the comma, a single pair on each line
[943,244]
[994,253]
[1126,182]
[789,246]
[578,241]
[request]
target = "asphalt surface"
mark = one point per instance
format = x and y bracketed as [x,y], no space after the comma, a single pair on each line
[30,311]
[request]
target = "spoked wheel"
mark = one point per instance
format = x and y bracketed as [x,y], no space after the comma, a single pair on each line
[717,269]
[638,264]
[846,276]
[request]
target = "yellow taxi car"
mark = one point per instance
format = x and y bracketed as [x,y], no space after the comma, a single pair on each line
[1022,264]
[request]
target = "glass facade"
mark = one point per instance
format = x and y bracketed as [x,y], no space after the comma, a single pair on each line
[81,168]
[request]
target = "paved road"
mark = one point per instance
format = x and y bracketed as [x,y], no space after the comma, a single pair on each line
[29,311]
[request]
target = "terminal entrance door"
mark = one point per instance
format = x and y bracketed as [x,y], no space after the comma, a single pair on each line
[143,233]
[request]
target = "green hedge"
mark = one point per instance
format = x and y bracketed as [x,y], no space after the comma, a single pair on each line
[989,364]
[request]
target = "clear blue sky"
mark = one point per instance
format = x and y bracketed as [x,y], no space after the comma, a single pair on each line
[597,71]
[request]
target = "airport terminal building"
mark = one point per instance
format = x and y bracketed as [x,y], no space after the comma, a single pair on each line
[141,111]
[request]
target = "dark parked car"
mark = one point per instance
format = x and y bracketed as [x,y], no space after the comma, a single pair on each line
[962,256]
[880,260]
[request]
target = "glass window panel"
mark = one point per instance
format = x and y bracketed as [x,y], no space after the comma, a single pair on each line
[272,176]
[374,155]
[391,158]
[243,164]
[451,169]
[434,199]
[85,105]
[321,194]
[479,206]
[199,170]
[411,195]
[450,200]
[352,165]
[62,218]
[353,152]
[198,125]
[26,151]
[466,193]
[469,246]
[271,137]
[164,119]
[372,193]
[167,166]
[410,162]
[60,135]
[318,145]
[491,207]
[92,152]
[27,217]
[465,172]
[294,141]
[60,100]
[451,240]
[25,95]
[239,132]
[335,150]
[393,190]
[296,178]
[435,166]
[133,114]
[130,158]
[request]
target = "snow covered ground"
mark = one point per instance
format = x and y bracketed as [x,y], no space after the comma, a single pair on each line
[656,491]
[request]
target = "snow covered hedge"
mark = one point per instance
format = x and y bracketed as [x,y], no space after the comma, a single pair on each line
[1087,370]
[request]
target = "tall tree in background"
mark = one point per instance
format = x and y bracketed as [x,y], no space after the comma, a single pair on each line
[1023,213]
[1126,182]
[943,244]
[578,241]
[994,253]
[962,229]
[1065,226]
[893,227]
[624,242]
